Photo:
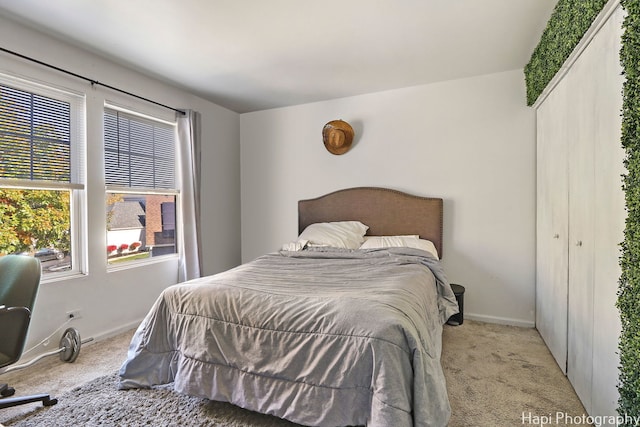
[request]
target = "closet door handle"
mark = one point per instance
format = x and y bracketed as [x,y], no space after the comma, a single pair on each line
[579,243]
[556,236]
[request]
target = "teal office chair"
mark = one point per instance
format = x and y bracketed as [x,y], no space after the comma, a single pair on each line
[19,282]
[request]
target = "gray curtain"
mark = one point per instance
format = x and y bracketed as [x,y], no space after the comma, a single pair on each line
[189,143]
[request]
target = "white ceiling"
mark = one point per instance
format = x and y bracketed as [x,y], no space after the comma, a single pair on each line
[250,55]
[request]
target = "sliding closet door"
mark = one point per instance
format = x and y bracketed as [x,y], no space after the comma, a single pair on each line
[609,217]
[552,225]
[581,139]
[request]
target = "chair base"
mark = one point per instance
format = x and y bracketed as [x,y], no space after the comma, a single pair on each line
[8,402]
[46,400]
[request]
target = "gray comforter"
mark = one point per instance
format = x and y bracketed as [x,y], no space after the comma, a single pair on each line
[319,337]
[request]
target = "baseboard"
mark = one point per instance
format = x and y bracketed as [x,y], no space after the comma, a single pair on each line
[113,332]
[500,320]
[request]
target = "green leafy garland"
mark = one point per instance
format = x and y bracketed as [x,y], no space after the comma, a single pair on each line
[568,23]
[629,285]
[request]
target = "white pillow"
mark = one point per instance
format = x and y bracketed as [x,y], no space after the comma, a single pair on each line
[400,241]
[342,234]
[389,241]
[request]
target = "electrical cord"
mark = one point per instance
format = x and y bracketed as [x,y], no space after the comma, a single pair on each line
[46,339]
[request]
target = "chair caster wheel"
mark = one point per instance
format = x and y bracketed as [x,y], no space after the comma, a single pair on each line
[49,402]
[9,391]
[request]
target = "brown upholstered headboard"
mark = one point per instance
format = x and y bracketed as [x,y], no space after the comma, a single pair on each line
[386,212]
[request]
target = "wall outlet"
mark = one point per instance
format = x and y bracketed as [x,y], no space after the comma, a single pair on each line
[74,314]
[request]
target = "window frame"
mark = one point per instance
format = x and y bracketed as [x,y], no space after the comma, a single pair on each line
[77,179]
[118,189]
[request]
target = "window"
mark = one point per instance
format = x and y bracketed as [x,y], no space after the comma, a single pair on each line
[41,174]
[140,169]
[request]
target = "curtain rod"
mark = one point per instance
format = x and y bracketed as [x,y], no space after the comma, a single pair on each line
[92,81]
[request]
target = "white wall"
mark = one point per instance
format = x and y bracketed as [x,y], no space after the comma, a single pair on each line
[470,141]
[113,301]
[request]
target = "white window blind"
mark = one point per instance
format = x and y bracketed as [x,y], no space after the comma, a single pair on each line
[35,136]
[139,152]
[42,174]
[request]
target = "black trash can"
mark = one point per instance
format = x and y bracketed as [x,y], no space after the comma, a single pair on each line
[457,319]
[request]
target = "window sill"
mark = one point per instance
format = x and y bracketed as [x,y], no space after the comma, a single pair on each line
[62,277]
[142,263]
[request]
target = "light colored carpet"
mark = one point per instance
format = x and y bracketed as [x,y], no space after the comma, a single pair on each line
[495,374]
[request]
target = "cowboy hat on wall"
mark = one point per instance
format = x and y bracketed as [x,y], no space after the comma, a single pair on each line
[337,136]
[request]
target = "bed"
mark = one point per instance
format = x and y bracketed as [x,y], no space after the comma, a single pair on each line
[318,335]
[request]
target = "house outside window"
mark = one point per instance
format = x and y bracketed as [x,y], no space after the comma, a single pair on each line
[42,142]
[142,193]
